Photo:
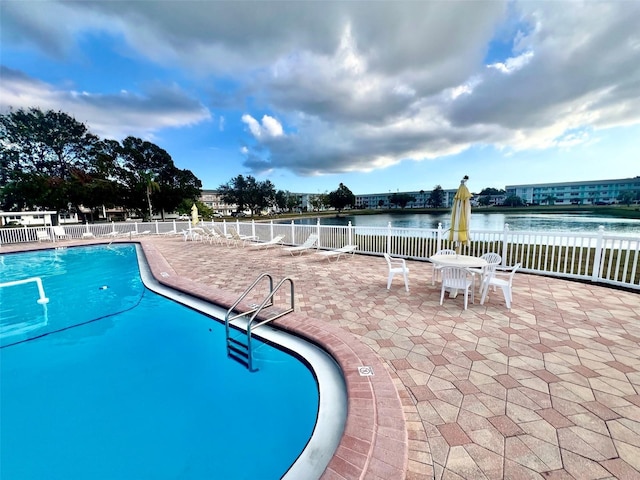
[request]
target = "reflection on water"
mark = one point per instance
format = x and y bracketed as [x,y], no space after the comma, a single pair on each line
[489,221]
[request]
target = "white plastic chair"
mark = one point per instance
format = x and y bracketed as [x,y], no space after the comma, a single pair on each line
[397,265]
[502,278]
[457,278]
[484,273]
[437,268]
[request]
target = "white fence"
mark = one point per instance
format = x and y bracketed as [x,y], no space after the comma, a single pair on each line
[598,256]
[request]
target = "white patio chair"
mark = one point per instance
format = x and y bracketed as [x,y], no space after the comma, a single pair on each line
[437,268]
[397,265]
[503,278]
[493,260]
[456,279]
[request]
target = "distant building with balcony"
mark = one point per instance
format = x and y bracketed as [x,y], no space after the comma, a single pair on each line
[213,200]
[383,200]
[595,192]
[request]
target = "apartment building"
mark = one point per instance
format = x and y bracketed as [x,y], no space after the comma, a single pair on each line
[382,200]
[595,192]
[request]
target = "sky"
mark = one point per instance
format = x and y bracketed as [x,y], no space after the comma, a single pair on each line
[381,96]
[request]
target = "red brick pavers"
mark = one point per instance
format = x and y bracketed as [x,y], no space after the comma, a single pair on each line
[550,389]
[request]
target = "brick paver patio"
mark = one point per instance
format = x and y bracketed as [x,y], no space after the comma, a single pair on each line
[548,390]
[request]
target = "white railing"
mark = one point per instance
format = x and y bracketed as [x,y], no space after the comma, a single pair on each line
[598,256]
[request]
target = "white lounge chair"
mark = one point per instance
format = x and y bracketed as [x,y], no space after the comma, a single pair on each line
[338,252]
[59,232]
[240,239]
[397,265]
[457,278]
[277,240]
[309,243]
[42,236]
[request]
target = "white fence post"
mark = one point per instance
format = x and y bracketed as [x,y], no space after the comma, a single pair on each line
[293,233]
[389,238]
[350,233]
[318,232]
[271,229]
[439,237]
[505,244]
[597,259]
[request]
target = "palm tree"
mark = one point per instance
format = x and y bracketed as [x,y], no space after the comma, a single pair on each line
[151,186]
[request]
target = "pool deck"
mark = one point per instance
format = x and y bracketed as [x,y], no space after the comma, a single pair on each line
[548,390]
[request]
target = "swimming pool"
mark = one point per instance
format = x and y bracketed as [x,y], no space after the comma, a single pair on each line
[110,380]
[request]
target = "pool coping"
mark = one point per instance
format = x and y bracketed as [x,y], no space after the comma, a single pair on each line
[375,439]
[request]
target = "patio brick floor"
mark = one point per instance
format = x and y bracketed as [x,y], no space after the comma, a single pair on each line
[548,390]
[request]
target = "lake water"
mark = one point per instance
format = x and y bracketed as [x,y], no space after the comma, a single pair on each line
[489,221]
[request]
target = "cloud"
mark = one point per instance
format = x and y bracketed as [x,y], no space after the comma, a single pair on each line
[357,86]
[269,128]
[139,115]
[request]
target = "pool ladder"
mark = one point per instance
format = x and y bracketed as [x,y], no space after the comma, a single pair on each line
[239,347]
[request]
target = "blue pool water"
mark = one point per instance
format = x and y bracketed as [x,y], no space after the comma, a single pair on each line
[122,383]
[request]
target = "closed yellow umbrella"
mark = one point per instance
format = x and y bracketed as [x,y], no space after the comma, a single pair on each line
[194,215]
[461,216]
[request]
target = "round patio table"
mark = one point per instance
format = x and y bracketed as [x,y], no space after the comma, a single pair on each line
[463,261]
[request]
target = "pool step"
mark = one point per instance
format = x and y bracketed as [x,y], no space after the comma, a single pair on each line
[238,351]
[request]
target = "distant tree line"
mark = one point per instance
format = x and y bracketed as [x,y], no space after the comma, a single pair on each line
[249,194]
[50,160]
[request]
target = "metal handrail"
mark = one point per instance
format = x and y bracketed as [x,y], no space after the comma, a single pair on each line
[267,302]
[227,318]
[42,297]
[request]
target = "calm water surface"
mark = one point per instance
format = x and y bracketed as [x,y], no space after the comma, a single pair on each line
[490,221]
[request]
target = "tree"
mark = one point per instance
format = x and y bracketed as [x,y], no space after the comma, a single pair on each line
[41,151]
[247,193]
[262,195]
[293,201]
[235,192]
[341,198]
[627,198]
[492,191]
[485,200]
[317,202]
[50,160]
[513,201]
[436,198]
[281,199]
[550,199]
[401,199]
